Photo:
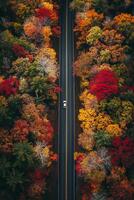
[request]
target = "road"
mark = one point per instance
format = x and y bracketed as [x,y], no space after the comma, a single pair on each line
[67,106]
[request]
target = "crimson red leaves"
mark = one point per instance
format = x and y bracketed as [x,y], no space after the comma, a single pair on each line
[104,84]
[122,152]
[9,86]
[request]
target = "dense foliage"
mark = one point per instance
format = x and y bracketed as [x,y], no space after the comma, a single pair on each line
[28,90]
[104,66]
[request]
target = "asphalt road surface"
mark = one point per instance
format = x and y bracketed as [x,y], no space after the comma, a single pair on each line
[67,106]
